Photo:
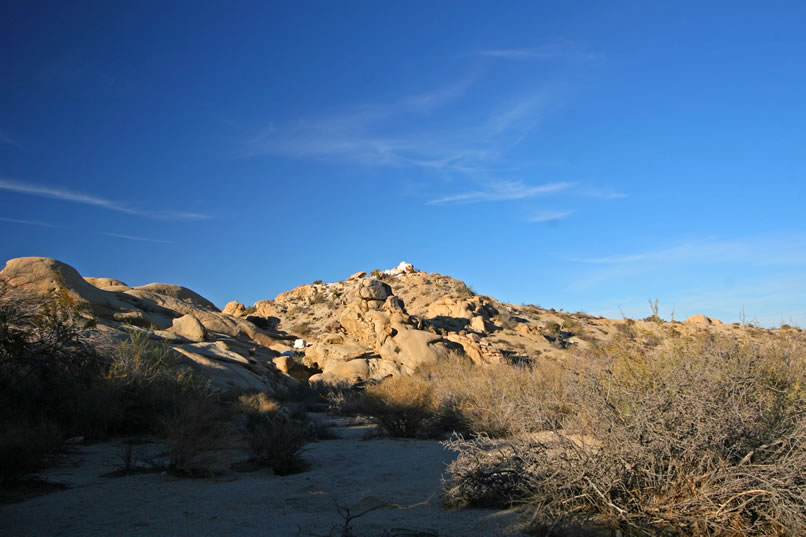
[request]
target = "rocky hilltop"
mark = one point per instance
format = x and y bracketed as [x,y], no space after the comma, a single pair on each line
[364,328]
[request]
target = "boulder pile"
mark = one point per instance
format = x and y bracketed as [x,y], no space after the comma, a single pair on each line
[361,329]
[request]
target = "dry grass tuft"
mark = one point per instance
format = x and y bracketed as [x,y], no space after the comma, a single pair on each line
[257,403]
[456,395]
[405,406]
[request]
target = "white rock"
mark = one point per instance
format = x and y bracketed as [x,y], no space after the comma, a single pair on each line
[402,268]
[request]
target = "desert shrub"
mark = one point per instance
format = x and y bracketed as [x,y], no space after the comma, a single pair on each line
[531,309]
[498,399]
[378,274]
[144,384]
[277,433]
[465,291]
[192,431]
[256,403]
[551,329]
[342,399]
[79,382]
[405,407]
[301,328]
[43,353]
[456,395]
[46,374]
[655,317]
[276,440]
[24,447]
[504,318]
[310,396]
[705,437]
[572,325]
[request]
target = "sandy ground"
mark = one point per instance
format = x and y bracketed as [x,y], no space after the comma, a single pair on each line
[351,471]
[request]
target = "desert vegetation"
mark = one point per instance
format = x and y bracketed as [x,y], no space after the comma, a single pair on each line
[704,437]
[59,379]
[635,426]
[699,436]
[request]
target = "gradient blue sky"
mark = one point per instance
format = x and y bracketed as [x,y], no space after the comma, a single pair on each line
[577,155]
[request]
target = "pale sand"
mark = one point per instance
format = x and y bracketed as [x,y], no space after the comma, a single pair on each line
[354,472]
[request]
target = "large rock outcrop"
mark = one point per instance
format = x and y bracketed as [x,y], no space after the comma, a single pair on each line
[356,330]
[233,352]
[380,339]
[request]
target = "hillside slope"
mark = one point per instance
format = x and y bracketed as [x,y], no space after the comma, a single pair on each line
[359,329]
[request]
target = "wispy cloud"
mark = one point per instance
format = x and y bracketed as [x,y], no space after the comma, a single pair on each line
[550,216]
[87,199]
[746,253]
[512,53]
[385,135]
[134,238]
[25,222]
[561,48]
[760,250]
[435,98]
[518,116]
[502,191]
[604,194]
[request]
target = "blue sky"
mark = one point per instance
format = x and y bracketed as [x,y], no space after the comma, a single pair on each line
[577,155]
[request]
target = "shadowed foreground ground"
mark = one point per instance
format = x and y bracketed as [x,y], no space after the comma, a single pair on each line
[356,473]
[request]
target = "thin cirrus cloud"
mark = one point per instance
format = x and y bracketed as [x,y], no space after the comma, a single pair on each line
[135,238]
[559,49]
[550,216]
[742,253]
[86,199]
[604,194]
[502,191]
[371,134]
[777,250]
[25,222]
[512,54]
